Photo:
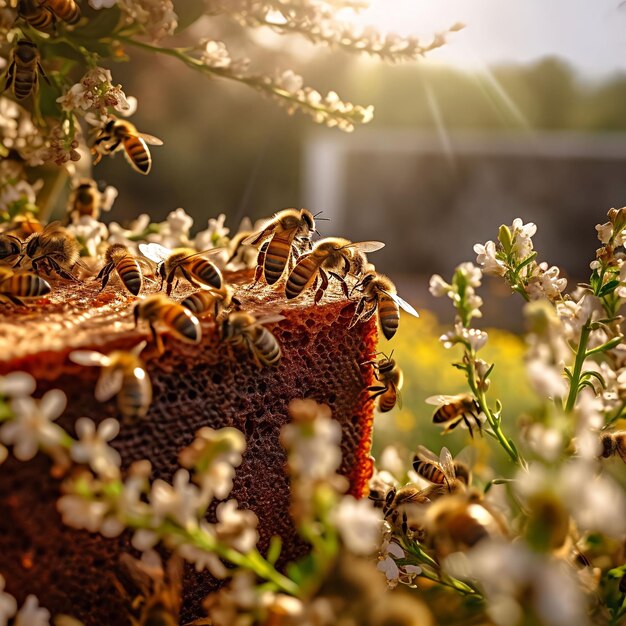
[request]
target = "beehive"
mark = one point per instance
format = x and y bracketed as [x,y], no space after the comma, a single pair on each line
[73,571]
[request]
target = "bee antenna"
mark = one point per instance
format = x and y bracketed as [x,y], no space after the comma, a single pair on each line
[391,355]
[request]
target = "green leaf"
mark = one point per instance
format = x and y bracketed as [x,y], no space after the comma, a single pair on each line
[273,552]
[60,50]
[527,261]
[609,345]
[617,572]
[595,375]
[302,569]
[609,287]
[102,24]
[505,238]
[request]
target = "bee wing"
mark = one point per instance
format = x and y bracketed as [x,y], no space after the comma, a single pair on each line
[255,238]
[245,224]
[138,349]
[270,319]
[89,358]
[109,383]
[206,253]
[367,246]
[467,456]
[138,574]
[151,139]
[403,304]
[439,400]
[424,454]
[155,251]
[446,462]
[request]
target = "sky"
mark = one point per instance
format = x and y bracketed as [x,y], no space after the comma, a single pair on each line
[590,34]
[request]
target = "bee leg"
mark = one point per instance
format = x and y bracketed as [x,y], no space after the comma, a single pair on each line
[104,275]
[376,391]
[158,342]
[61,272]
[323,286]
[357,312]
[342,282]
[13,299]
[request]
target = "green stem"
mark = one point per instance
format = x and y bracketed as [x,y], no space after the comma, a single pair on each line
[578,367]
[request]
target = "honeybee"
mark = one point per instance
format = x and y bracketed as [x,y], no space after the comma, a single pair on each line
[240,253]
[402,507]
[389,374]
[455,410]
[443,471]
[158,308]
[54,248]
[211,301]
[160,591]
[455,523]
[66,10]
[287,229]
[123,373]
[24,69]
[614,444]
[192,265]
[244,330]
[120,259]
[17,286]
[10,247]
[85,199]
[379,295]
[122,135]
[38,16]
[329,256]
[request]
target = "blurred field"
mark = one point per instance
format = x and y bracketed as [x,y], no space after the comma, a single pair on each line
[428,371]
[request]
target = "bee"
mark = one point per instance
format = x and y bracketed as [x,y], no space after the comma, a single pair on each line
[123,374]
[192,265]
[38,16]
[211,301]
[240,253]
[455,410]
[443,472]
[614,444]
[455,523]
[285,231]
[402,507]
[328,257]
[122,135]
[55,249]
[120,259]
[17,286]
[85,199]
[24,69]
[379,295]
[157,308]
[386,372]
[66,10]
[160,591]
[10,247]
[244,330]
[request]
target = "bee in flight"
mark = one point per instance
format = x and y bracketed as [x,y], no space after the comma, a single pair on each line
[192,265]
[213,301]
[390,377]
[123,373]
[119,258]
[85,199]
[244,330]
[122,135]
[454,410]
[160,592]
[445,473]
[379,295]
[55,249]
[37,15]
[284,234]
[66,10]
[19,286]
[332,256]
[159,309]
[24,70]
[614,444]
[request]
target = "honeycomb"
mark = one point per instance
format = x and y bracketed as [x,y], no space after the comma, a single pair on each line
[74,571]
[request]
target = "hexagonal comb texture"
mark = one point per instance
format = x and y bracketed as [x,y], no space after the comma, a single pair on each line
[73,571]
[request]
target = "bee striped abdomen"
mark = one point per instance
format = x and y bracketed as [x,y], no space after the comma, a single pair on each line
[387,400]
[429,471]
[301,276]
[206,273]
[130,274]
[267,347]
[67,10]
[138,153]
[198,302]
[134,400]
[26,285]
[183,323]
[389,316]
[24,83]
[276,258]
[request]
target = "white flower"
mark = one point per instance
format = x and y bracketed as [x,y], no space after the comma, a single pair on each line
[438,287]
[473,336]
[605,232]
[387,562]
[92,447]
[547,380]
[90,232]
[391,462]
[215,54]
[236,528]
[203,559]
[137,228]
[359,523]
[545,283]
[575,314]
[32,425]
[181,501]
[17,384]
[80,512]
[102,4]
[521,235]
[487,260]
[8,604]
[215,236]
[31,614]
[471,273]
[544,441]
[174,231]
